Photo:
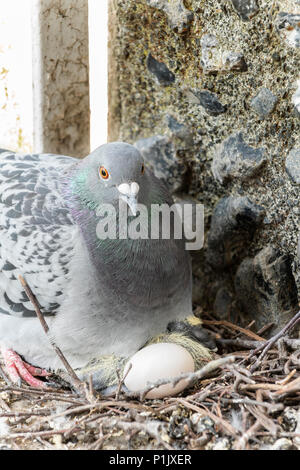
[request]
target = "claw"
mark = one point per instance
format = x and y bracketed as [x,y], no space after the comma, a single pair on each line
[17,369]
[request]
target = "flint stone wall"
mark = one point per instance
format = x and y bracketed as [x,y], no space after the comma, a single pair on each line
[209,92]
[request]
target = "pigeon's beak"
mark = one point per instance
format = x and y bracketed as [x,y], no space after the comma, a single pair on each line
[129,192]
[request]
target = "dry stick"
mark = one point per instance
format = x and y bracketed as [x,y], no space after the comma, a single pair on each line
[265,348]
[241,343]
[76,382]
[266,422]
[91,387]
[4,376]
[293,386]
[242,442]
[190,376]
[247,401]
[4,405]
[265,328]
[121,380]
[46,395]
[260,386]
[233,327]
[34,434]
[287,378]
[99,406]
[19,414]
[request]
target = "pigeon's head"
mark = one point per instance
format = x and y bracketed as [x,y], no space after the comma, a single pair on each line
[113,171]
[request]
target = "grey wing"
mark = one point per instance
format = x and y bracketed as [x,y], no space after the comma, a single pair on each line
[36,231]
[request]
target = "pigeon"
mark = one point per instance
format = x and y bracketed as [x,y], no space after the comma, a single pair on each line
[100,297]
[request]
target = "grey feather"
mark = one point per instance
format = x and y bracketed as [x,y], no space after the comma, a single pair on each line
[103,296]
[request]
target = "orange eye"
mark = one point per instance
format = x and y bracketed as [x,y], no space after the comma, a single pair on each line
[143,169]
[103,173]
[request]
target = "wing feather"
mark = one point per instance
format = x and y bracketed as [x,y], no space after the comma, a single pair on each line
[36,231]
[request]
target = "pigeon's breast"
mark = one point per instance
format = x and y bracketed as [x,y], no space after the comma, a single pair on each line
[145,274]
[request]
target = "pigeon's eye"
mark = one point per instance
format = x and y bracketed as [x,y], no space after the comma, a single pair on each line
[143,169]
[103,173]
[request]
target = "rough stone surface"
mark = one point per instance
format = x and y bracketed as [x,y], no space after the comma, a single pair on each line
[216,58]
[296,99]
[283,444]
[288,26]
[266,289]
[179,131]
[235,159]
[210,102]
[61,77]
[179,17]
[245,8]
[160,71]
[202,424]
[176,127]
[159,152]
[292,165]
[223,303]
[140,105]
[264,102]
[233,224]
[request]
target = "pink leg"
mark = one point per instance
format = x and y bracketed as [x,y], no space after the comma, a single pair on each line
[18,369]
[36,371]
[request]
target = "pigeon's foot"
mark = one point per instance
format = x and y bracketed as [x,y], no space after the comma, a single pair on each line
[17,369]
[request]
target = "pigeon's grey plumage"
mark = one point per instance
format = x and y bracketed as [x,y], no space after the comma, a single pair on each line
[100,296]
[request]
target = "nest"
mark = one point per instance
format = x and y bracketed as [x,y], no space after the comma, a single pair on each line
[246,399]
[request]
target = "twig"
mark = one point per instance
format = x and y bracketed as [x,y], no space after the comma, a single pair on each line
[191,377]
[122,380]
[287,378]
[4,405]
[266,422]
[234,327]
[265,348]
[4,376]
[98,406]
[247,401]
[18,414]
[293,386]
[46,395]
[265,328]
[76,382]
[240,343]
[33,434]
[260,386]
[242,442]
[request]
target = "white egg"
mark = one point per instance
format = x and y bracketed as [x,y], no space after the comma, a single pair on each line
[158,361]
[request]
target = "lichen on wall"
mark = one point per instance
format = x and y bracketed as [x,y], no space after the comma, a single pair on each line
[61,76]
[219,79]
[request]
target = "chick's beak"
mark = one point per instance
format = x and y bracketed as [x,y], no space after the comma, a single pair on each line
[129,192]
